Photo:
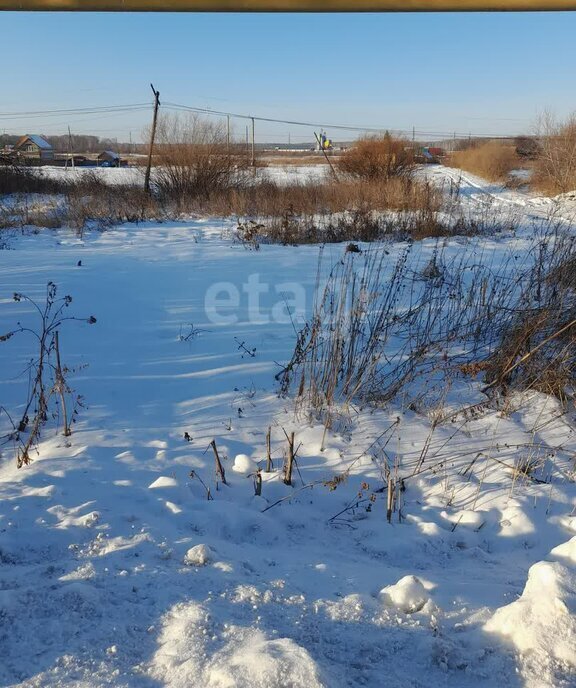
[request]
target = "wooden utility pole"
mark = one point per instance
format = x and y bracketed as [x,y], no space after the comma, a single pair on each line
[70,151]
[253,151]
[228,134]
[152,136]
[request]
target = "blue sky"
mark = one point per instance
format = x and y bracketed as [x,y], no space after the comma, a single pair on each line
[478,73]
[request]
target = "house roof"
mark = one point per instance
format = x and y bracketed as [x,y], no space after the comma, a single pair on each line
[110,154]
[38,140]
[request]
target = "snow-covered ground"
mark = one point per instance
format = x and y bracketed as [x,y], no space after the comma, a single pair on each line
[135,175]
[481,196]
[115,569]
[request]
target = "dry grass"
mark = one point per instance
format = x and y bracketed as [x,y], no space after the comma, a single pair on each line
[538,348]
[513,322]
[348,208]
[93,202]
[268,199]
[24,180]
[492,160]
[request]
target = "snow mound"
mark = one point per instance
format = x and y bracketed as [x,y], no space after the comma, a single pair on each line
[199,555]
[566,552]
[243,464]
[543,620]
[163,481]
[251,661]
[408,594]
[197,651]
[471,520]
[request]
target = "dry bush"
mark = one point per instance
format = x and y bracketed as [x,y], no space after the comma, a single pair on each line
[47,376]
[491,160]
[527,147]
[193,160]
[466,143]
[537,349]
[378,157]
[555,167]
[90,201]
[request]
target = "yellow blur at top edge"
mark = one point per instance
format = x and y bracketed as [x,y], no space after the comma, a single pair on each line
[291,5]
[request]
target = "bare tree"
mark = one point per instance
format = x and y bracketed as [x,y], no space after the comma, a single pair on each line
[556,165]
[193,158]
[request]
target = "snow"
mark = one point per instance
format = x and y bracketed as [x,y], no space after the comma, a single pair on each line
[125,561]
[196,651]
[199,555]
[542,622]
[481,197]
[135,175]
[408,594]
[243,464]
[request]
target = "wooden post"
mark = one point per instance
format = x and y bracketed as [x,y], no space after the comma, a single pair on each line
[268,450]
[219,468]
[289,461]
[70,156]
[228,134]
[253,144]
[390,500]
[152,137]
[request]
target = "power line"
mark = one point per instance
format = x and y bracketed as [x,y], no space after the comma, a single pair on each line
[75,111]
[341,127]
[111,110]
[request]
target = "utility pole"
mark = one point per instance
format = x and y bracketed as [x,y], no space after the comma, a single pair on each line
[228,133]
[70,151]
[253,152]
[152,136]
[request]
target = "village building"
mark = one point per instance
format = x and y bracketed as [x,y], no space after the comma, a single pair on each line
[33,147]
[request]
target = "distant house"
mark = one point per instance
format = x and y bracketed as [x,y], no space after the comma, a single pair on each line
[34,147]
[109,159]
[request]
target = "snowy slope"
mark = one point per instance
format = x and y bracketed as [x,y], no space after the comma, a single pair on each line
[479,196]
[116,570]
